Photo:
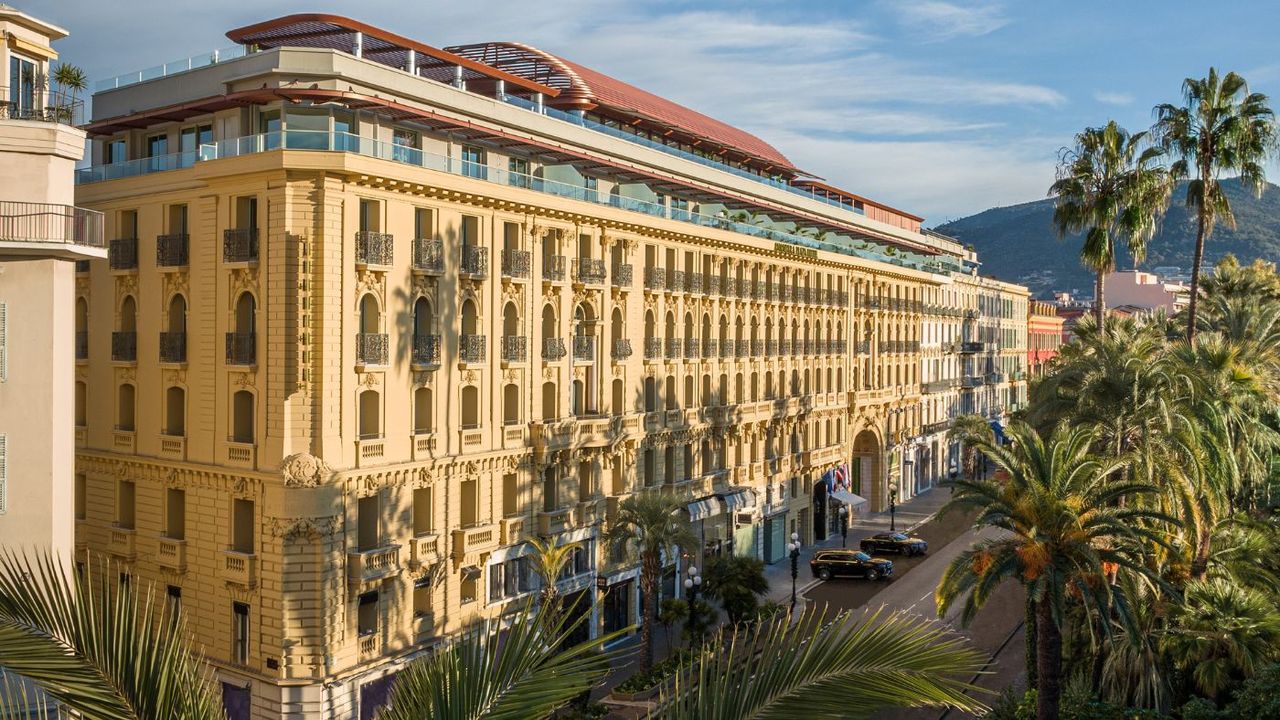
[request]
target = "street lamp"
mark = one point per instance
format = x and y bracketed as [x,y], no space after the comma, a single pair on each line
[893,506]
[794,547]
[691,585]
[844,525]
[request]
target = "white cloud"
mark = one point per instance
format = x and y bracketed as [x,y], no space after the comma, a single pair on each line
[936,20]
[1113,98]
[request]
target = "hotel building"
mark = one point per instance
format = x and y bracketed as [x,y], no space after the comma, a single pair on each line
[375,312]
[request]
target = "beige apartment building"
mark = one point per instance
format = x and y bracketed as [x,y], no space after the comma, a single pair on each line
[42,236]
[376,312]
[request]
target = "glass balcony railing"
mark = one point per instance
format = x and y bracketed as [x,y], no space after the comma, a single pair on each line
[369,147]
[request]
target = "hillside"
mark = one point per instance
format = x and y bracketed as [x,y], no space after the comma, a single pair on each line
[1019,243]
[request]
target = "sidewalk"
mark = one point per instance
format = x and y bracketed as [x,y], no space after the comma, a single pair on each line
[908,515]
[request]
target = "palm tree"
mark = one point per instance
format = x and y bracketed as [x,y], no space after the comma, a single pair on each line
[99,651]
[549,560]
[1109,187]
[68,77]
[1222,633]
[965,430]
[1065,532]
[500,671]
[847,666]
[650,525]
[1221,128]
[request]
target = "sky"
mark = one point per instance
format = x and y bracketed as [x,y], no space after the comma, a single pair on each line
[940,108]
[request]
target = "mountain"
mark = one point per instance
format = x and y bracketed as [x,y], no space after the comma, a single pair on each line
[1019,242]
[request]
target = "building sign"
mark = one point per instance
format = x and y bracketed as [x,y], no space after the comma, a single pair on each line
[796,250]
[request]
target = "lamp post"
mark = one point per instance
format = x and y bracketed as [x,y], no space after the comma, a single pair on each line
[691,585]
[794,547]
[893,506]
[844,525]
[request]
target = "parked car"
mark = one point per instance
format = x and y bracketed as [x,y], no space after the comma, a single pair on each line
[827,564]
[894,542]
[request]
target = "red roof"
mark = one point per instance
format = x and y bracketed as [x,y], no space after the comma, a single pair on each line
[584,88]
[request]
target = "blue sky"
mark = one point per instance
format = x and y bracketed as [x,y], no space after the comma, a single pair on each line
[941,108]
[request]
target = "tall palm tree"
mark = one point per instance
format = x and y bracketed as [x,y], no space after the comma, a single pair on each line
[1110,186]
[549,560]
[1220,128]
[1065,529]
[847,666]
[650,525]
[97,648]
[964,430]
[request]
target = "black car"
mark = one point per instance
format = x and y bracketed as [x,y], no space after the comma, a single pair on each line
[894,542]
[827,564]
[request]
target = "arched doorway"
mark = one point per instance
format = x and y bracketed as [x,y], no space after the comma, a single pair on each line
[868,480]
[819,506]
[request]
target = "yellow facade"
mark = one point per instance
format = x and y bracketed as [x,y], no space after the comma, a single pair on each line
[329,393]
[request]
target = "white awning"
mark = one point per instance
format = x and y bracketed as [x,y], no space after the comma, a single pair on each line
[736,500]
[705,508]
[855,502]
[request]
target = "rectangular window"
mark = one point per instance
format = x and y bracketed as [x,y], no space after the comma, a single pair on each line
[592,187]
[404,146]
[422,597]
[473,162]
[125,504]
[240,633]
[518,172]
[423,223]
[173,601]
[116,152]
[367,520]
[175,519]
[22,85]
[423,510]
[470,231]
[680,209]
[510,495]
[242,526]
[370,215]
[269,126]
[81,492]
[157,146]
[469,588]
[367,616]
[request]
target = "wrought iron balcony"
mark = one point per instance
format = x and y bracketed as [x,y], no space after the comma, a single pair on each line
[673,348]
[726,348]
[123,254]
[675,280]
[757,348]
[622,275]
[713,285]
[972,347]
[553,349]
[515,348]
[693,282]
[621,349]
[655,278]
[771,347]
[428,255]
[740,348]
[82,344]
[652,348]
[515,263]
[426,349]
[691,348]
[584,348]
[471,348]
[475,261]
[374,248]
[862,347]
[709,347]
[171,250]
[371,348]
[784,347]
[553,268]
[124,346]
[240,245]
[590,271]
[173,347]
[242,348]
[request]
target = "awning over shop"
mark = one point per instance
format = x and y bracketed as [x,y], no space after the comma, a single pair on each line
[704,508]
[739,499]
[998,429]
[855,502]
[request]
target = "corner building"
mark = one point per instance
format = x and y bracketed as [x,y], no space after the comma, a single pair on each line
[376,312]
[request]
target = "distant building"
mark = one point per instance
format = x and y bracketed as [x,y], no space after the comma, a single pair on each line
[1144,290]
[1044,335]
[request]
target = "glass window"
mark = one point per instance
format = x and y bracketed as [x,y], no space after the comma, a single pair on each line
[269,126]
[22,85]
[592,186]
[240,638]
[518,172]
[473,162]
[307,130]
[405,146]
[157,145]
[116,151]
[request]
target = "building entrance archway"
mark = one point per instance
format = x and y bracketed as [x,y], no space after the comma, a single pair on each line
[868,473]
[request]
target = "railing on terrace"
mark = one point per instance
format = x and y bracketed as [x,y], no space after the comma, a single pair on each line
[42,106]
[428,255]
[515,263]
[345,142]
[195,61]
[50,223]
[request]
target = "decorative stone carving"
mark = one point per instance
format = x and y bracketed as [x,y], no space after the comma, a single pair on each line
[306,528]
[304,470]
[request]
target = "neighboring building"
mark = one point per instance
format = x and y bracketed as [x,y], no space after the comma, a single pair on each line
[42,236]
[1044,335]
[395,318]
[1145,291]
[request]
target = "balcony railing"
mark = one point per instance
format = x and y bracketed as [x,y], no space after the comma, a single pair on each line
[622,275]
[515,263]
[173,347]
[49,223]
[428,255]
[242,348]
[590,271]
[771,348]
[584,348]
[553,268]
[475,261]
[652,348]
[240,245]
[515,348]
[553,349]
[426,349]
[374,248]
[471,348]
[675,280]
[655,278]
[691,348]
[371,348]
[757,348]
[709,347]
[82,344]
[171,250]
[123,254]
[673,348]
[862,347]
[621,349]
[124,346]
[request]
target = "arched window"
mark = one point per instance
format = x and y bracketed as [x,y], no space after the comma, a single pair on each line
[370,415]
[242,416]
[124,416]
[82,403]
[175,412]
[173,342]
[246,314]
[426,343]
[671,391]
[370,315]
[619,397]
[422,410]
[128,315]
[178,314]
[550,401]
[82,329]
[470,407]
[511,404]
[616,334]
